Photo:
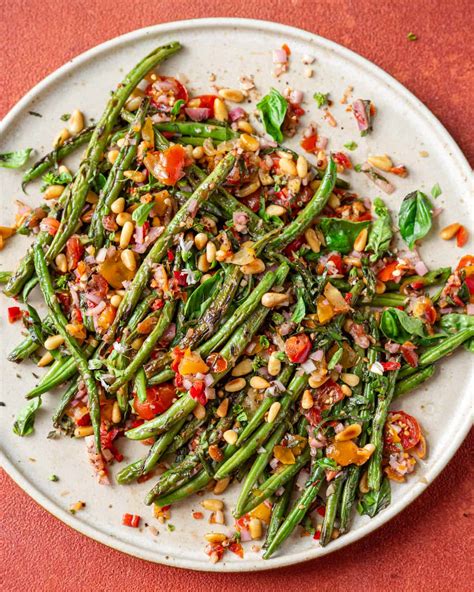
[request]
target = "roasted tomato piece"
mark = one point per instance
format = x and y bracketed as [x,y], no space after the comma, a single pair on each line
[329,394]
[166,166]
[297,348]
[74,252]
[165,91]
[159,398]
[401,431]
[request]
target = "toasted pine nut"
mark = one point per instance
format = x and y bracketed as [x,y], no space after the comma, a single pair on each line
[265,178]
[126,234]
[115,300]
[213,505]
[248,189]
[274,299]
[92,197]
[230,436]
[203,264]
[361,240]
[198,152]
[61,262]
[221,485]
[382,162]
[135,176]
[223,408]
[450,231]
[346,390]
[200,240]
[255,528]
[63,135]
[215,537]
[350,379]
[302,166]
[242,368]
[333,201]
[76,122]
[210,252]
[312,240]
[249,142]
[364,483]
[134,100]
[235,385]
[123,217]
[274,365]
[220,110]
[45,359]
[275,210]
[199,411]
[380,287]
[255,266]
[53,342]
[82,432]
[53,192]
[63,170]
[244,126]
[137,343]
[348,433]
[116,413]
[221,255]
[353,261]
[232,94]
[287,167]
[218,517]
[370,448]
[128,259]
[335,533]
[257,382]
[273,411]
[317,379]
[307,399]
[294,185]
[112,156]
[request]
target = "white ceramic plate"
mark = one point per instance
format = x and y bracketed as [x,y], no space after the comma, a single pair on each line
[229,48]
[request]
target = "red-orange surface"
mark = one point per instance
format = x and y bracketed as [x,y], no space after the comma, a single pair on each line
[427,547]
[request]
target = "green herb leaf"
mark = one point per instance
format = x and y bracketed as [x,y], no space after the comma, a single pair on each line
[264,342]
[15,160]
[140,215]
[24,424]
[375,501]
[381,233]
[327,463]
[351,145]
[341,234]
[436,191]
[201,294]
[300,309]
[321,99]
[177,108]
[412,37]
[398,326]
[273,109]
[469,345]
[277,318]
[65,117]
[52,179]
[357,168]
[336,358]
[452,323]
[53,478]
[415,217]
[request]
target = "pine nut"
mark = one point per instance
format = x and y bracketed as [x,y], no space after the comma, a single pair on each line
[82,432]
[53,192]
[370,448]
[137,343]
[235,385]
[350,379]
[249,142]
[230,436]
[353,261]
[248,189]
[255,266]
[112,156]
[382,162]
[274,299]
[118,206]
[294,185]
[348,433]
[220,110]
[116,413]
[450,231]
[244,126]
[364,483]
[287,167]
[128,259]
[198,152]
[312,240]
[259,383]
[213,505]
[275,210]
[63,135]
[232,94]
[203,264]
[221,255]
[199,411]
[76,122]
[123,217]
[302,166]
[255,528]
[274,365]
[223,408]
[333,201]
[346,390]
[135,176]
[380,287]
[115,300]
[218,517]
[242,368]
[45,359]
[63,170]
[134,100]
[92,197]
[200,240]
[273,412]
[61,262]
[126,234]
[53,342]
[317,379]
[211,252]
[307,399]
[265,178]
[215,537]
[221,485]
[361,240]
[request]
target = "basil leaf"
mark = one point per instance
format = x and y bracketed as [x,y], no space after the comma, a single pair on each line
[375,501]
[24,424]
[300,309]
[15,160]
[140,215]
[177,108]
[398,326]
[341,234]
[381,233]
[452,323]
[273,109]
[201,294]
[415,217]
[327,463]
[351,145]
[436,191]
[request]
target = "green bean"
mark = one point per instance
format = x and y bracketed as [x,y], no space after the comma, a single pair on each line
[278,513]
[410,383]
[5,276]
[333,495]
[64,403]
[389,300]
[203,130]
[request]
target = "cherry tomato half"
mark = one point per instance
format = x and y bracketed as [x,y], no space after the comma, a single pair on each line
[466,261]
[158,399]
[165,91]
[166,166]
[205,102]
[386,274]
[401,430]
[309,144]
[329,394]
[74,252]
[297,348]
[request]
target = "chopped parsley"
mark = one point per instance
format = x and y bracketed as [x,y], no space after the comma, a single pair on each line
[412,37]
[65,117]
[436,191]
[321,99]
[351,145]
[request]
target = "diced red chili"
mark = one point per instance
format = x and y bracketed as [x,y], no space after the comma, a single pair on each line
[131,520]
[14,314]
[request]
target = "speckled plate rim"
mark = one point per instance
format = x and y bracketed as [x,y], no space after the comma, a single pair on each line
[437,465]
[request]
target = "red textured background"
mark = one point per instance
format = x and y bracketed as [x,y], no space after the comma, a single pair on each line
[427,547]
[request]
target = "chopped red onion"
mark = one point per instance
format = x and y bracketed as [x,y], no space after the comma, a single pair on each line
[421,268]
[317,356]
[437,212]
[240,220]
[208,379]
[93,312]
[153,234]
[296,97]
[338,368]
[308,366]
[236,113]
[470,309]
[198,113]
[280,56]
[392,347]
[322,142]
